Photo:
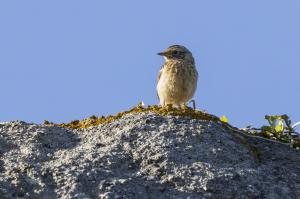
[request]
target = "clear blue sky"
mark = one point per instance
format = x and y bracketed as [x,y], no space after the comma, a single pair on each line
[66,60]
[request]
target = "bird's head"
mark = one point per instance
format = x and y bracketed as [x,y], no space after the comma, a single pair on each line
[177,52]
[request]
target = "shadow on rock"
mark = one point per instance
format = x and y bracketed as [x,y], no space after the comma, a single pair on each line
[53,139]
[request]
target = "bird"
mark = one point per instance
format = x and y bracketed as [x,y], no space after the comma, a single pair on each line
[177,78]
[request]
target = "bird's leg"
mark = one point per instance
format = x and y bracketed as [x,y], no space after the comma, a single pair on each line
[193,103]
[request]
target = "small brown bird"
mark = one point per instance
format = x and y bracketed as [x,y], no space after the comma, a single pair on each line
[177,79]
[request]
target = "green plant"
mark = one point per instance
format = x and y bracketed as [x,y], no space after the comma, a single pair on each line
[280,128]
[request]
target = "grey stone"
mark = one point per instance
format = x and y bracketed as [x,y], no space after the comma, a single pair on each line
[140,156]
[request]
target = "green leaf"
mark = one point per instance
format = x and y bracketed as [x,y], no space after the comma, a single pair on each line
[224,119]
[279,127]
[271,119]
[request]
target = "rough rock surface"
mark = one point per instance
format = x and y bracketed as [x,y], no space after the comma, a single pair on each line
[142,156]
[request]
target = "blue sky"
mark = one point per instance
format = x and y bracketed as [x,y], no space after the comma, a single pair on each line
[66,60]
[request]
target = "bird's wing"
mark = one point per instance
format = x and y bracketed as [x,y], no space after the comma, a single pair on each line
[158,78]
[160,72]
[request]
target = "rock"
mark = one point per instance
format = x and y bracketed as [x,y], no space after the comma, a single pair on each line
[143,155]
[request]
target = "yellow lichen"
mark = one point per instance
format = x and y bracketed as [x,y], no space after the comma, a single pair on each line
[186,112]
[168,110]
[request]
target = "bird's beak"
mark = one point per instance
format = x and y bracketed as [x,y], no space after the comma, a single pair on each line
[162,53]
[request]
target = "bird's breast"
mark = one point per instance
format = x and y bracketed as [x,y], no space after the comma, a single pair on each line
[177,81]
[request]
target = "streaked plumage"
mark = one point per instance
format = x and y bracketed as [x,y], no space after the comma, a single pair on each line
[177,79]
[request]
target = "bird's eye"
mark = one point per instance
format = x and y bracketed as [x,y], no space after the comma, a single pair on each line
[175,52]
